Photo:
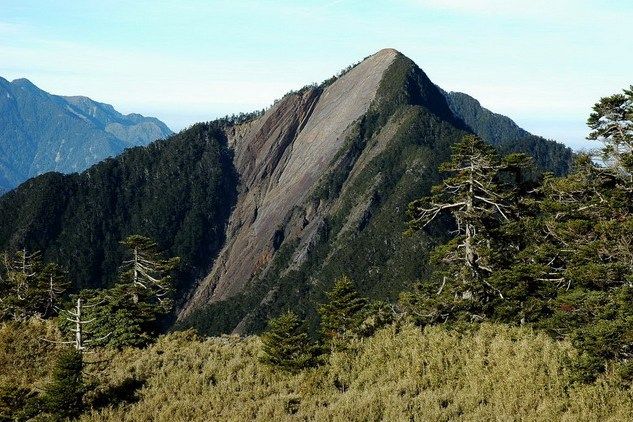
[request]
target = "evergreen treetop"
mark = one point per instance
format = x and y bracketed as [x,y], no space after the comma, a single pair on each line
[343,310]
[286,345]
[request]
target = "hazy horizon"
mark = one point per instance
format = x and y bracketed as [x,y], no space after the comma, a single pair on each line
[543,64]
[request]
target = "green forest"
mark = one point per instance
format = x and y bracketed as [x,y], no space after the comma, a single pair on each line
[532,288]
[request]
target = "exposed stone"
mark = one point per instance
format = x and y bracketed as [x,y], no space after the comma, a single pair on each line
[280,156]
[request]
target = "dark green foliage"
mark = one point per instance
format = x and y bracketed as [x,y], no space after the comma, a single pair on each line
[507,137]
[562,263]
[548,155]
[494,128]
[18,403]
[480,202]
[566,271]
[29,287]
[118,320]
[343,312]
[179,191]
[130,312]
[610,123]
[286,345]
[146,272]
[63,396]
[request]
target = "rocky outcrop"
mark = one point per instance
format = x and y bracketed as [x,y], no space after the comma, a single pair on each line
[280,157]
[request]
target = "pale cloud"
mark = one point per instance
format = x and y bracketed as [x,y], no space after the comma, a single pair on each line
[9,28]
[557,12]
[535,8]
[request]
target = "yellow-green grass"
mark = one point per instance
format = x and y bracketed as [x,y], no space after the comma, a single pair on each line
[401,373]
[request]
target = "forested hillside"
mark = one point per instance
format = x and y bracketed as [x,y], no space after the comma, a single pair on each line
[507,136]
[178,191]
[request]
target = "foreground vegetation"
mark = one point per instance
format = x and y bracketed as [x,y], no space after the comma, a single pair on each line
[492,373]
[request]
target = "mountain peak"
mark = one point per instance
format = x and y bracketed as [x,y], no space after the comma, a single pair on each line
[23,82]
[387,52]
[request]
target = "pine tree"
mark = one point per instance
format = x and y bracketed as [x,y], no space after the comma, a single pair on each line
[343,313]
[63,396]
[146,272]
[119,322]
[130,312]
[286,345]
[612,124]
[477,201]
[572,272]
[21,271]
[52,284]
[28,287]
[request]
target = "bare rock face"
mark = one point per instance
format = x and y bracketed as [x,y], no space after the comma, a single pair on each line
[280,157]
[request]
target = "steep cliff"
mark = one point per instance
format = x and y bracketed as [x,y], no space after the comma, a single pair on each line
[326,176]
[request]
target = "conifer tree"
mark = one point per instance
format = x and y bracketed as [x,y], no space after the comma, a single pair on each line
[63,396]
[52,284]
[146,272]
[344,310]
[130,311]
[477,201]
[28,287]
[21,273]
[119,322]
[286,345]
[572,272]
[612,124]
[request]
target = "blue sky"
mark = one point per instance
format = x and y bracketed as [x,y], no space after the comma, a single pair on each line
[543,63]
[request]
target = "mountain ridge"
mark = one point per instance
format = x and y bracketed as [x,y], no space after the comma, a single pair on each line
[283,203]
[42,132]
[333,221]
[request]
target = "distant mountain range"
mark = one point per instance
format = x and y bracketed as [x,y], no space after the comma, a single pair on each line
[41,132]
[268,210]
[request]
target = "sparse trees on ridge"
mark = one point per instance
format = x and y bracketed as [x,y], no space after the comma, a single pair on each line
[28,287]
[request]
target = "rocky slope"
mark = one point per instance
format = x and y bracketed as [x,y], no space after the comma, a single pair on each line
[280,156]
[325,178]
[40,132]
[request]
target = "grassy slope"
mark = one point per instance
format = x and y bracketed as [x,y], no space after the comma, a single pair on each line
[494,373]
[497,373]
